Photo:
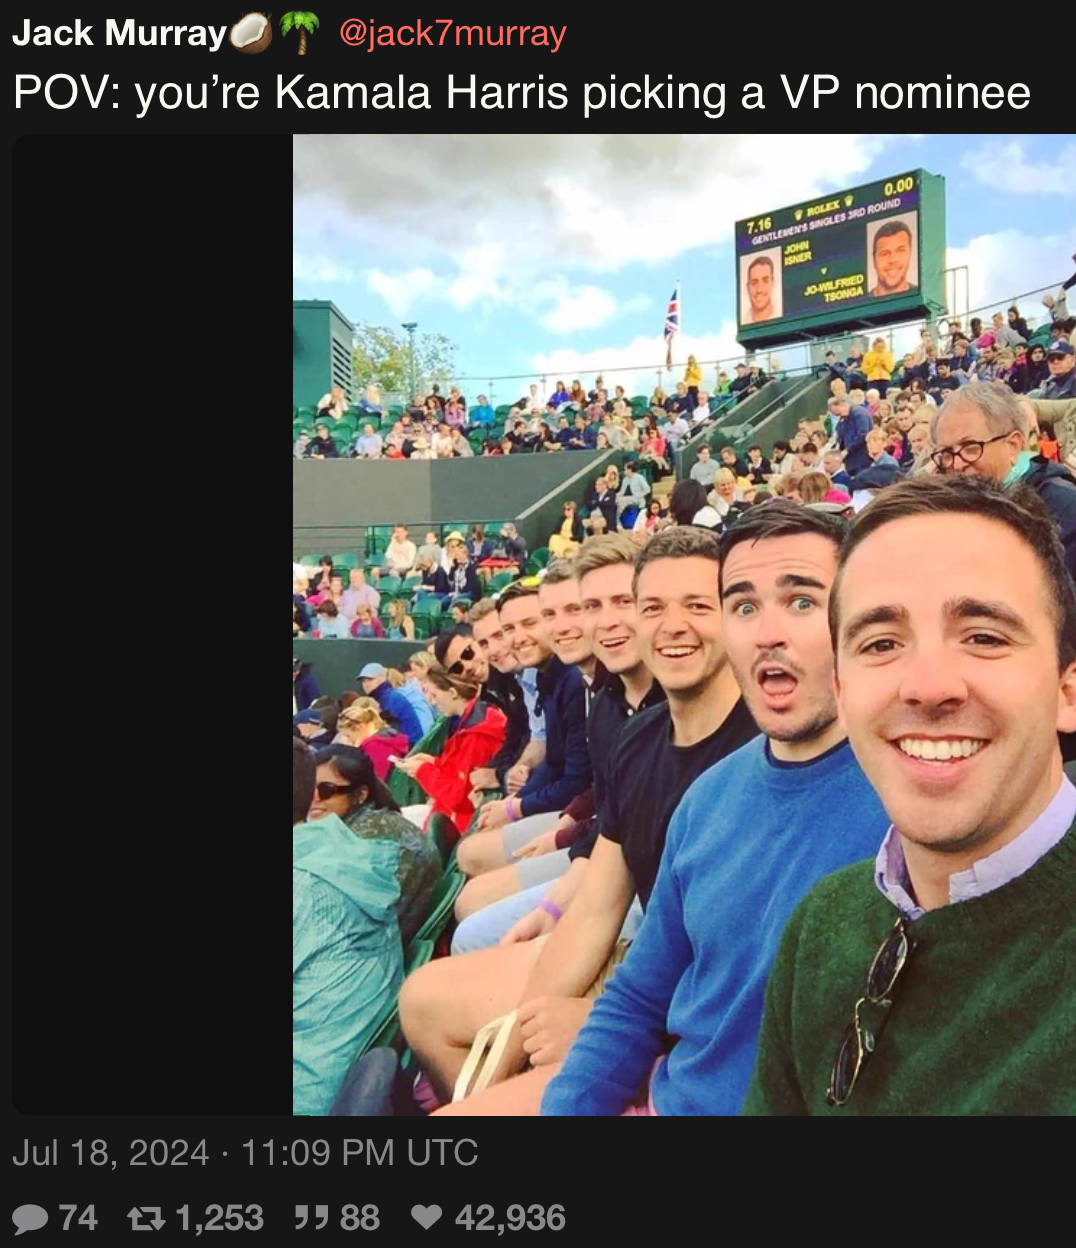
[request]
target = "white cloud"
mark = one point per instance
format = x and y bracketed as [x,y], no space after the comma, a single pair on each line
[402,290]
[494,215]
[574,307]
[637,303]
[635,366]
[317,268]
[1005,166]
[1004,265]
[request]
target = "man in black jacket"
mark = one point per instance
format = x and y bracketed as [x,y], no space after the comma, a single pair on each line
[982,429]
[323,446]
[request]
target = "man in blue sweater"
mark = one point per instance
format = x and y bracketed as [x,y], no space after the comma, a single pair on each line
[747,842]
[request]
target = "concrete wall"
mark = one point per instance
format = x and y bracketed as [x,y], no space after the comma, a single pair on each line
[335,501]
[808,403]
[337,663]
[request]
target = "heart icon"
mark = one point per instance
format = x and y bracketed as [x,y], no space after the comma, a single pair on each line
[824,272]
[798,214]
[425,1215]
[848,201]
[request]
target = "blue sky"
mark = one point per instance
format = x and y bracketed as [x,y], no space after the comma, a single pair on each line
[554,254]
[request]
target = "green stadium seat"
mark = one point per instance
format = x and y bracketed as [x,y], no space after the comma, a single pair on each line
[444,897]
[537,560]
[417,954]
[390,586]
[406,791]
[442,832]
[499,581]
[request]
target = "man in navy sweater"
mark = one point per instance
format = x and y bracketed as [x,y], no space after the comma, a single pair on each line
[565,771]
[853,425]
[747,842]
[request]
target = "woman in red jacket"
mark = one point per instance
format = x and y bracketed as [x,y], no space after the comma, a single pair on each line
[478,737]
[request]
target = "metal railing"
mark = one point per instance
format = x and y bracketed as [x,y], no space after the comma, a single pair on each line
[472,384]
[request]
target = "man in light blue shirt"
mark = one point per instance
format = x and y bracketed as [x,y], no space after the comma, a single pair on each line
[369,445]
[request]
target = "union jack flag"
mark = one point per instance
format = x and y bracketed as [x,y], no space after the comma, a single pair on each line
[672,324]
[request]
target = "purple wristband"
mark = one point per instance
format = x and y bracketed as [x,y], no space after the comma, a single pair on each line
[551,907]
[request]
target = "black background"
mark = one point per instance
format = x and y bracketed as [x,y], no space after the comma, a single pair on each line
[147,896]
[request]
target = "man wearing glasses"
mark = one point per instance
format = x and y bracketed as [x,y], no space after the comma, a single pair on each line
[938,978]
[982,430]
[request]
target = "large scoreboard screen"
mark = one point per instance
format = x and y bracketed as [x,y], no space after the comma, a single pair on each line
[850,259]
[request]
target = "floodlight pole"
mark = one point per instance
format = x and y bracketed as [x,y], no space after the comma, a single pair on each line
[411,326]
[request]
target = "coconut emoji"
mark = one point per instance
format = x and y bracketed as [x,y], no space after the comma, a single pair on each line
[252,33]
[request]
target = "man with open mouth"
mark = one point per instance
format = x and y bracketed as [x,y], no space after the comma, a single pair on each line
[747,841]
[938,977]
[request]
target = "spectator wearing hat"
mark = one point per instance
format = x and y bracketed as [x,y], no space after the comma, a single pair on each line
[462,573]
[741,383]
[1061,384]
[375,684]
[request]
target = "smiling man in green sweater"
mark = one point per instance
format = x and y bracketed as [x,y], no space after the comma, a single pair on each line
[939,978]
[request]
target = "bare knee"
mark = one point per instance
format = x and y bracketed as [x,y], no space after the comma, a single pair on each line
[421,1000]
[484,890]
[480,852]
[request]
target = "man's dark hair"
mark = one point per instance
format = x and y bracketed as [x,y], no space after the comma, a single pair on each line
[357,768]
[781,445]
[780,518]
[1020,509]
[808,446]
[754,448]
[303,774]
[686,541]
[445,638]
[756,262]
[888,230]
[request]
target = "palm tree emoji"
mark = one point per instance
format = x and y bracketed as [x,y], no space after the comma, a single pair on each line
[302,22]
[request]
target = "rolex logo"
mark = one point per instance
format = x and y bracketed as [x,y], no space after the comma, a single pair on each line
[798,214]
[848,201]
[824,272]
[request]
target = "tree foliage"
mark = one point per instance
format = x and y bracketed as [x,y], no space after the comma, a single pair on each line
[383,356]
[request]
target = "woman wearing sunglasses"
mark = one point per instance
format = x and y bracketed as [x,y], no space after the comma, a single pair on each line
[348,788]
[477,739]
[362,727]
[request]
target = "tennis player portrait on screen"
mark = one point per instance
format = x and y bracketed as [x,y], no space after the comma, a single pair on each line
[891,253]
[760,275]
